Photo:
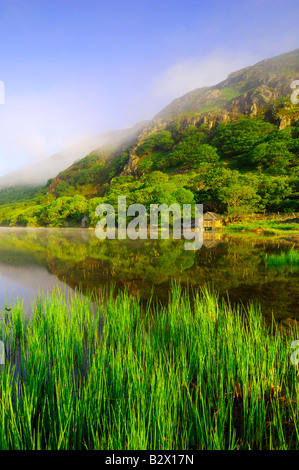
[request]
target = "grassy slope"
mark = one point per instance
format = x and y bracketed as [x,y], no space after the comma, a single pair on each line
[21,194]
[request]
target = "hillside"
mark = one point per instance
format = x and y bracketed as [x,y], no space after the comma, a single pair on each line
[247,91]
[233,147]
[39,173]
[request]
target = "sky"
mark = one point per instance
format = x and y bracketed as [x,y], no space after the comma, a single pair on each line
[72,69]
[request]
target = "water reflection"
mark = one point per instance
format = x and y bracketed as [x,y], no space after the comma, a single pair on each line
[27,283]
[35,259]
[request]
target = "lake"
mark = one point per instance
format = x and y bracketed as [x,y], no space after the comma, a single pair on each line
[33,261]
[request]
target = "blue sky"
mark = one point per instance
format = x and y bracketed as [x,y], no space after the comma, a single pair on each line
[75,68]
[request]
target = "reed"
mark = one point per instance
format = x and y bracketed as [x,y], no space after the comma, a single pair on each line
[289,258]
[195,373]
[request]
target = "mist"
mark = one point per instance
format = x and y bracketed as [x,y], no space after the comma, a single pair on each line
[73,72]
[43,132]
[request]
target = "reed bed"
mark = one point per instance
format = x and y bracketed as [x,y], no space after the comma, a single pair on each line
[289,258]
[193,374]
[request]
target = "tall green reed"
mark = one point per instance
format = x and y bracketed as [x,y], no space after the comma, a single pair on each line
[195,373]
[289,258]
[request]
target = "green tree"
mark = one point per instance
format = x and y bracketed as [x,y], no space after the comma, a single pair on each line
[240,199]
[238,138]
[275,192]
[272,157]
[162,141]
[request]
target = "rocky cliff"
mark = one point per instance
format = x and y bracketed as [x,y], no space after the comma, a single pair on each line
[261,89]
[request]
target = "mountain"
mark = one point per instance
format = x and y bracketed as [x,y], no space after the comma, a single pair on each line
[263,89]
[246,91]
[37,174]
[233,146]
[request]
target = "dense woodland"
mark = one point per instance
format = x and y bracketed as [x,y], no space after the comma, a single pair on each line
[243,167]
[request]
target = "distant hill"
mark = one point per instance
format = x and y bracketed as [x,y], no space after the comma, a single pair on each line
[39,173]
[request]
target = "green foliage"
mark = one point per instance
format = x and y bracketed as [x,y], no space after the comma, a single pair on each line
[118,164]
[153,188]
[228,191]
[21,194]
[276,193]
[238,138]
[82,177]
[246,166]
[193,373]
[162,141]
[229,93]
[192,150]
[290,257]
[273,157]
[240,197]
[195,155]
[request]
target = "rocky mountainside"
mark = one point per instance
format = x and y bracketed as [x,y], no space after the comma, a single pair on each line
[261,89]
[233,147]
[246,91]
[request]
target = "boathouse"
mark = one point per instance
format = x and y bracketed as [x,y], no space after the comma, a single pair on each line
[211,221]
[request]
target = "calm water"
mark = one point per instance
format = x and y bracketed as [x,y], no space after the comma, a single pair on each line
[38,260]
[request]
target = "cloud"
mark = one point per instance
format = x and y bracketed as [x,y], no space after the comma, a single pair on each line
[150,96]
[194,73]
[35,125]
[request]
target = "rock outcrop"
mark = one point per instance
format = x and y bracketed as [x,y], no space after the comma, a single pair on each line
[261,89]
